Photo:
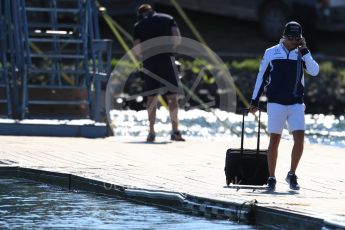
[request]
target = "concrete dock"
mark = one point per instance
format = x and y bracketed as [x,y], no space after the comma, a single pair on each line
[194,167]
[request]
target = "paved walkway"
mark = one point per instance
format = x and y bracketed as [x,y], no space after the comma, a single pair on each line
[194,167]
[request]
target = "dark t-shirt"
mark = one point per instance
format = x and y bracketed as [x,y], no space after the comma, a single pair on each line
[157,59]
[151,26]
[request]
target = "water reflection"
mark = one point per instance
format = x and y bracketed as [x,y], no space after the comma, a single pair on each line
[26,204]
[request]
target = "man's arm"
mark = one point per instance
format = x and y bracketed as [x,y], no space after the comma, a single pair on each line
[311,66]
[260,82]
[176,36]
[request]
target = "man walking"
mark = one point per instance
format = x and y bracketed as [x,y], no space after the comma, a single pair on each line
[281,76]
[160,71]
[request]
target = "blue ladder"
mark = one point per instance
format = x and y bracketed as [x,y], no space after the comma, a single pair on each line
[68,48]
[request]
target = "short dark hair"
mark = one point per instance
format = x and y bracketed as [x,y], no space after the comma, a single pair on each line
[144,8]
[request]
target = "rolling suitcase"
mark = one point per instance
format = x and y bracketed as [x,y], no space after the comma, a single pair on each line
[246,166]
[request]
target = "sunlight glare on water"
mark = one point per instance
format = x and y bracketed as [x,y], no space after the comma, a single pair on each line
[321,129]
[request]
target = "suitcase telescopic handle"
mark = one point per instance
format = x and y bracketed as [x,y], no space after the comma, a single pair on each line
[245,112]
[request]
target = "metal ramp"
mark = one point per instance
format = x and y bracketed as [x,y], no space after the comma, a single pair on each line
[59,71]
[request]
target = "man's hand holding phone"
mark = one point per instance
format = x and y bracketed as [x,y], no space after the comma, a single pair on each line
[302,43]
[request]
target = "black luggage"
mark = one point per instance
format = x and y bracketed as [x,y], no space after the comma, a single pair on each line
[246,166]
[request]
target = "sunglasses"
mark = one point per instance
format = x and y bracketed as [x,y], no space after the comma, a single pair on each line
[296,38]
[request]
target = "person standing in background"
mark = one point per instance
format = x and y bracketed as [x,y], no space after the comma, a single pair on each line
[160,71]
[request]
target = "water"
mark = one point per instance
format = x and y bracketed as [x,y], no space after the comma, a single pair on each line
[27,204]
[321,129]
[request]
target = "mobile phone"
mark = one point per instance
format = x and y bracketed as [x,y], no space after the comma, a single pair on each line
[301,41]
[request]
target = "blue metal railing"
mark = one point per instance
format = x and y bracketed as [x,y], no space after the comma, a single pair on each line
[101,71]
[80,65]
[4,73]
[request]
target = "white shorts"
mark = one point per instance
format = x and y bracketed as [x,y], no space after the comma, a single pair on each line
[278,115]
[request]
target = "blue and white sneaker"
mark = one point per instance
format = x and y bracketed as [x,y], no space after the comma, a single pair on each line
[291,179]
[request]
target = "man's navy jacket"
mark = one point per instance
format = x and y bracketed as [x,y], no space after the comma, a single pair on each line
[281,75]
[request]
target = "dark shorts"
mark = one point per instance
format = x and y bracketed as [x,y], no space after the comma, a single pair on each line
[160,77]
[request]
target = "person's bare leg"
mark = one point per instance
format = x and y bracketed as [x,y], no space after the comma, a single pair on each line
[297,150]
[273,153]
[173,110]
[151,107]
